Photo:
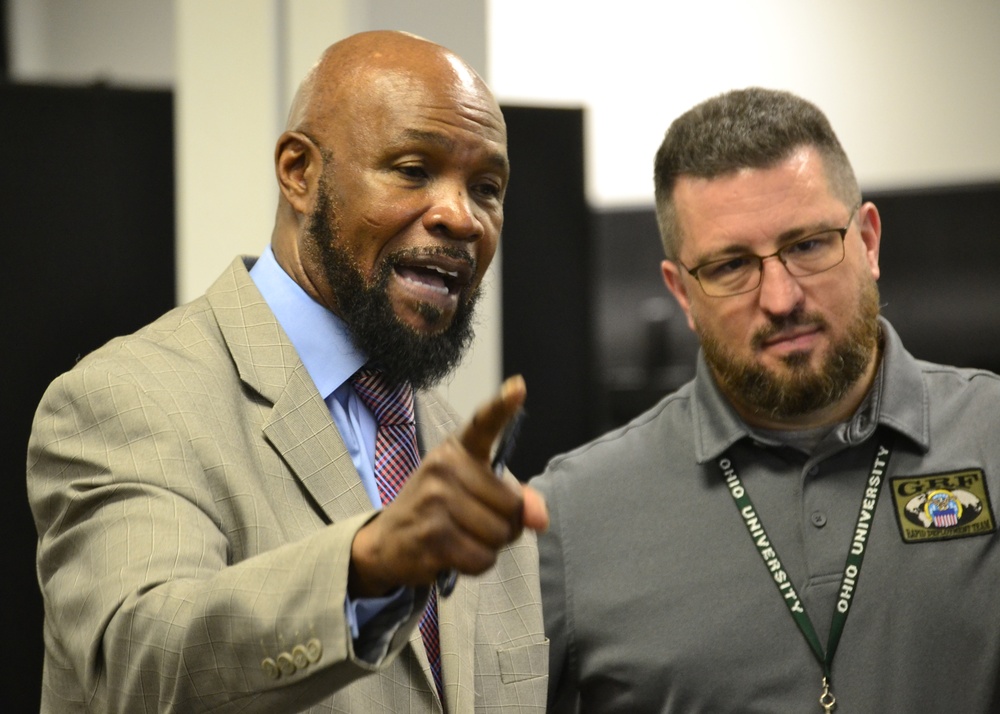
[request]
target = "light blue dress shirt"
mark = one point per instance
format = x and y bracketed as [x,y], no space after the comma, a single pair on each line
[325,347]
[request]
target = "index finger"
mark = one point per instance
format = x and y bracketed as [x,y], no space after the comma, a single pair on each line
[478,435]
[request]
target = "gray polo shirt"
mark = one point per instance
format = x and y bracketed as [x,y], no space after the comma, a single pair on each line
[657,599]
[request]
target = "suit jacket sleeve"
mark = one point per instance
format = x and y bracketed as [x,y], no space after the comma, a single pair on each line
[166,586]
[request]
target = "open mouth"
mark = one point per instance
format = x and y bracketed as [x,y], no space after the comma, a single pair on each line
[440,274]
[434,278]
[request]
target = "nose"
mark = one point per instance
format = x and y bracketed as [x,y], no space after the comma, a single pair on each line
[453,215]
[780,292]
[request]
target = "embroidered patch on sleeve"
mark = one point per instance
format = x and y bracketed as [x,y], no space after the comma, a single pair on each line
[942,506]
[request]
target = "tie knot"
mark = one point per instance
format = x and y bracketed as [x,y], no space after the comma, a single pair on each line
[390,403]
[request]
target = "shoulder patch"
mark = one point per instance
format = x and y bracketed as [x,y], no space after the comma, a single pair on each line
[942,506]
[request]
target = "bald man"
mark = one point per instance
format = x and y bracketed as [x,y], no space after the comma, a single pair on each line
[216,532]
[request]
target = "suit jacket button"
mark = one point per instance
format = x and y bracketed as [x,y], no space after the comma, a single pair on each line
[299,656]
[270,668]
[285,664]
[314,650]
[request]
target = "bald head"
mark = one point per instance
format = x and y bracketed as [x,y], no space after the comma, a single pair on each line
[359,64]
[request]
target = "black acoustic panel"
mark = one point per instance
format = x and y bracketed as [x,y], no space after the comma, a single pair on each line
[87,214]
[939,259]
[644,346]
[547,281]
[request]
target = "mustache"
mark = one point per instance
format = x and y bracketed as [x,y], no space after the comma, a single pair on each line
[406,255]
[777,325]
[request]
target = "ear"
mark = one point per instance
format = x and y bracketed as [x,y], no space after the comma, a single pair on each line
[870,225]
[673,279]
[298,166]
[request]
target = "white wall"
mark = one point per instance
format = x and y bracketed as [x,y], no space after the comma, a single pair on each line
[911,86]
[123,42]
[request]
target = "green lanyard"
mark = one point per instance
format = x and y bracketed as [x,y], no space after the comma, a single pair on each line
[852,569]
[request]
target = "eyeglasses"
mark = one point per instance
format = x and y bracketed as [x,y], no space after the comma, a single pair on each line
[738,274]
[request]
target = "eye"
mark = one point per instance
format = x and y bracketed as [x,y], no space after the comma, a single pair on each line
[723,269]
[488,190]
[414,172]
[803,247]
[811,244]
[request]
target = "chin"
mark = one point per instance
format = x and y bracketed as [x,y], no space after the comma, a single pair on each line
[799,361]
[424,319]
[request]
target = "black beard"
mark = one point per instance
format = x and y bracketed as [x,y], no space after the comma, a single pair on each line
[803,391]
[402,353]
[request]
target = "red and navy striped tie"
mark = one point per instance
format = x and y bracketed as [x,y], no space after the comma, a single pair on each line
[396,457]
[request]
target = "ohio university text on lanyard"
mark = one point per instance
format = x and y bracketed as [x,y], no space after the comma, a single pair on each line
[852,568]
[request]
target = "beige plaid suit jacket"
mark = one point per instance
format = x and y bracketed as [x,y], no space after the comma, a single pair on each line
[195,508]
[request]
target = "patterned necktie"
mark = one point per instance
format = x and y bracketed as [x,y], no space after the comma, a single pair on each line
[396,457]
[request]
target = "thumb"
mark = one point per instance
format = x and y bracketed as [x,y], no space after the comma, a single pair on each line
[536,513]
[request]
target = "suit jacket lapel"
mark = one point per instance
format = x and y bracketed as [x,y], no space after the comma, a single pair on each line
[299,426]
[301,429]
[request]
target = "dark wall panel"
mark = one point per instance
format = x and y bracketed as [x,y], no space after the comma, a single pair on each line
[644,348]
[87,215]
[940,256]
[547,282]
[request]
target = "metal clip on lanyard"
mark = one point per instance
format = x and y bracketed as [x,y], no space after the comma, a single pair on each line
[826,699]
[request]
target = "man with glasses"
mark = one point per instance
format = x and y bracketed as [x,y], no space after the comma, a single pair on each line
[807,525]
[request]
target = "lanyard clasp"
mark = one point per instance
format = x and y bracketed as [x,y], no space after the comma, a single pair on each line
[826,699]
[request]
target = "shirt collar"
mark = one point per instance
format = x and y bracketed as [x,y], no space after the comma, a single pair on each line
[322,340]
[898,400]
[901,401]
